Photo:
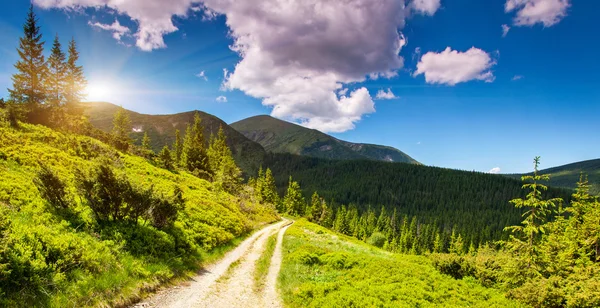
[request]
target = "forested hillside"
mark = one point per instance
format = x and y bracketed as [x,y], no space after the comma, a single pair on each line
[161,130]
[475,205]
[568,175]
[279,136]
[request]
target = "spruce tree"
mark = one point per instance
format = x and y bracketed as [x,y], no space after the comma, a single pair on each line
[165,159]
[75,83]
[525,243]
[269,189]
[28,83]
[146,142]
[194,154]
[55,82]
[315,207]
[293,201]
[223,168]
[121,129]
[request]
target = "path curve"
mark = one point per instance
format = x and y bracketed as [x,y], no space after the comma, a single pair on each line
[207,290]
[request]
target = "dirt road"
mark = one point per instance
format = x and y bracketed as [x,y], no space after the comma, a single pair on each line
[219,286]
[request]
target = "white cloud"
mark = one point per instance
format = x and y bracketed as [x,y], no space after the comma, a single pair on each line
[451,67]
[154,17]
[116,28]
[505,29]
[425,7]
[221,99]
[296,55]
[517,77]
[530,12]
[495,170]
[343,92]
[202,75]
[381,94]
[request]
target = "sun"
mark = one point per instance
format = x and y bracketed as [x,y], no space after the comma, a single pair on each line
[98,92]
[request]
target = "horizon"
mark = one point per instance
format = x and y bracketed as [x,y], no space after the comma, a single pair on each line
[525,77]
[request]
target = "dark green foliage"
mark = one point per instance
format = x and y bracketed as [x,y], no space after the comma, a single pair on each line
[52,188]
[475,204]
[28,83]
[225,173]
[568,175]
[165,158]
[164,212]
[194,156]
[293,202]
[177,148]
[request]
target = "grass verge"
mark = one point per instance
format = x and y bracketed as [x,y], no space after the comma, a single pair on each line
[325,269]
[261,268]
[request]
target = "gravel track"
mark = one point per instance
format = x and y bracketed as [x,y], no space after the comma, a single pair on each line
[234,290]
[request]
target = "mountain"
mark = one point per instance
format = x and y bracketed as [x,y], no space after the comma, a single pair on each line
[279,136]
[568,175]
[161,130]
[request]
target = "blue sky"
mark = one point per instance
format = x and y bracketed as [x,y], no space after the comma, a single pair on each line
[457,108]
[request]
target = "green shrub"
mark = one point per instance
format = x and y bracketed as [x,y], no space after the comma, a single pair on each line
[453,265]
[51,188]
[377,239]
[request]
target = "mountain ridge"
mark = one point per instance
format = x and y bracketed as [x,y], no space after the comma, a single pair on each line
[280,136]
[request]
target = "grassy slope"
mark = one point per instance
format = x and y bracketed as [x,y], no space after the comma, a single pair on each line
[278,136]
[161,130]
[324,269]
[71,259]
[568,175]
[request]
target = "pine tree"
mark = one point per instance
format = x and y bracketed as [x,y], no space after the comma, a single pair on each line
[315,207]
[194,154]
[121,129]
[177,147]
[165,159]
[75,83]
[326,215]
[269,189]
[55,82]
[28,83]
[225,172]
[146,142]
[293,202]
[537,209]
[456,243]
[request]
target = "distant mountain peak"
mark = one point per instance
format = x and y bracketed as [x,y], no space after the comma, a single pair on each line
[279,136]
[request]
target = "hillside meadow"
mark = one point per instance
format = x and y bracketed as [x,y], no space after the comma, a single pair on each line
[326,269]
[66,257]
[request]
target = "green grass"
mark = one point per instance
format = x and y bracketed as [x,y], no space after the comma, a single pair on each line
[263,263]
[54,258]
[324,269]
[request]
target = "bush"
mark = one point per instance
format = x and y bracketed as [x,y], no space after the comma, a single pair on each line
[377,239]
[51,188]
[453,265]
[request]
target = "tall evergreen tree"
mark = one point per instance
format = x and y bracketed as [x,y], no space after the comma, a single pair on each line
[194,154]
[75,82]
[315,207]
[223,168]
[269,189]
[293,202]
[121,129]
[28,83]
[55,82]
[524,244]
[146,142]
[165,159]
